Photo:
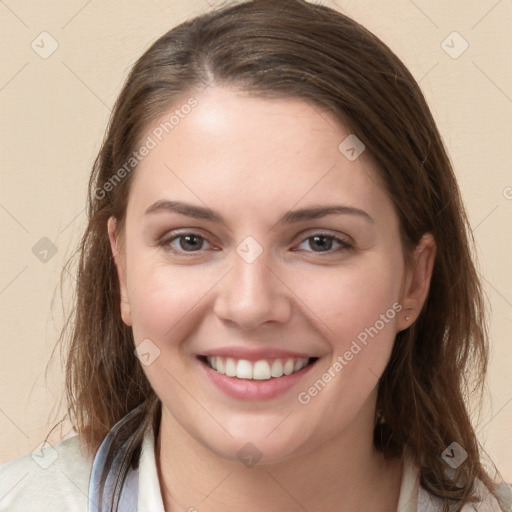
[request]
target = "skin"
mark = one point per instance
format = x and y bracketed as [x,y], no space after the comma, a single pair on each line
[252,160]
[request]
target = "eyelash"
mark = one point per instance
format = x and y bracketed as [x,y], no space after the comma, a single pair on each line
[165,243]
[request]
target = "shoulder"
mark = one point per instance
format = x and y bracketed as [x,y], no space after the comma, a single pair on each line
[416,498]
[54,478]
[487,502]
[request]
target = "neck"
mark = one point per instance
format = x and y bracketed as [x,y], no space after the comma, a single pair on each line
[345,473]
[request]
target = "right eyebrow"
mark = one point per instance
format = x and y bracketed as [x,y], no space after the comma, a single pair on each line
[198,212]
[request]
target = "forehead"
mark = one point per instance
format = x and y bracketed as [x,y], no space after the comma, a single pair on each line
[253,153]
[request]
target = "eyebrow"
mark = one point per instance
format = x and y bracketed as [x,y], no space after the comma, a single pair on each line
[301,214]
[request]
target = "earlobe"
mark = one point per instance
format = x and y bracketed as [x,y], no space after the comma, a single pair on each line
[113,236]
[417,282]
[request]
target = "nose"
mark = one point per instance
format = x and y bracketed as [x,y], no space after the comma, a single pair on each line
[253,294]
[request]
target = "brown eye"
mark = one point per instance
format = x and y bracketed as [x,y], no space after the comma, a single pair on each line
[184,243]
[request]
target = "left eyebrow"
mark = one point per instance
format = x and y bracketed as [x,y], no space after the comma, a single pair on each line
[316,212]
[302,214]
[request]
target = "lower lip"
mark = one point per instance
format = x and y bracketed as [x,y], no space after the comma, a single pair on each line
[253,390]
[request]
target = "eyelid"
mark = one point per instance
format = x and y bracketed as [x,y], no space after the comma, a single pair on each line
[166,240]
[310,232]
[343,240]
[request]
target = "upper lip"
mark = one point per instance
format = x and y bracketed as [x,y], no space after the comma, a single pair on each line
[254,354]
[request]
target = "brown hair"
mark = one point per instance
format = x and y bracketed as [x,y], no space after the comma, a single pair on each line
[297,49]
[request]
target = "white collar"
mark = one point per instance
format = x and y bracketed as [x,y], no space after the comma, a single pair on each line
[408,500]
[150,498]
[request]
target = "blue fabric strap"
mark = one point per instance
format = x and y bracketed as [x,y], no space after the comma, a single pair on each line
[126,496]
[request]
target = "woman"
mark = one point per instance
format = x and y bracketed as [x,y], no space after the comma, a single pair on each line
[275,228]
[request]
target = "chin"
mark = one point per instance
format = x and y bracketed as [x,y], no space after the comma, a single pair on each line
[255,447]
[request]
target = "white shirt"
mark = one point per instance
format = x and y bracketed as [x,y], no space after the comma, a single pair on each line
[57,480]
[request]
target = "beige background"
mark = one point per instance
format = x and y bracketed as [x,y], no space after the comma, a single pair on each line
[54,112]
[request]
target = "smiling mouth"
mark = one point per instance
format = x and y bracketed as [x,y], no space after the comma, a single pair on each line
[263,369]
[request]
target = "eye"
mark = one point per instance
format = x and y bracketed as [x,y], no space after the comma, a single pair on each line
[190,242]
[324,242]
[184,242]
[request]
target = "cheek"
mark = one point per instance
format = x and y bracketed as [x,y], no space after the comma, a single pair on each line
[162,297]
[168,300]
[358,318]
[165,303]
[345,300]
[356,307]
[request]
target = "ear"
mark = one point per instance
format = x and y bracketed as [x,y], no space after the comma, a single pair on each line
[417,282]
[119,261]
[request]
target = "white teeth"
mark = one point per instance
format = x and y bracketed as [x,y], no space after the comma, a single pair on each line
[299,365]
[277,368]
[288,367]
[244,369]
[260,370]
[230,367]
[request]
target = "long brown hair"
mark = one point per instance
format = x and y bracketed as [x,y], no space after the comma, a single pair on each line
[298,49]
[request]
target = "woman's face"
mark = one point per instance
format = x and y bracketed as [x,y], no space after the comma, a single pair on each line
[230,258]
